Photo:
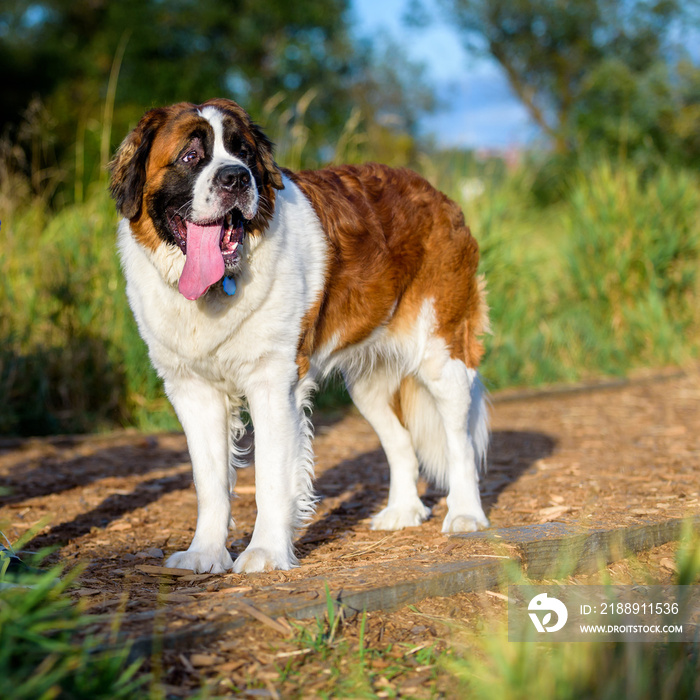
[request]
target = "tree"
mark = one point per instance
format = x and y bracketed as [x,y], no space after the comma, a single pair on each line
[64,52]
[597,70]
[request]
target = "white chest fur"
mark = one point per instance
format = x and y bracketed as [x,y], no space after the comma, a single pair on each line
[219,337]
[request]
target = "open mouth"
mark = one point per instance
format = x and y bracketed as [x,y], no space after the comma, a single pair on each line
[231,235]
[212,250]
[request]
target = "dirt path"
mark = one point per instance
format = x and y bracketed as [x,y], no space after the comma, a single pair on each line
[117,502]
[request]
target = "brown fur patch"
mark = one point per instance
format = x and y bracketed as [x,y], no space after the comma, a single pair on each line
[396,405]
[394,241]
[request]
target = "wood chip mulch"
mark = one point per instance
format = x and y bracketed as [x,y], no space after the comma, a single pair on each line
[120,504]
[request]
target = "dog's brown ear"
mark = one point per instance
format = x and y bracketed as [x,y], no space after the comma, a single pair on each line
[265,153]
[128,168]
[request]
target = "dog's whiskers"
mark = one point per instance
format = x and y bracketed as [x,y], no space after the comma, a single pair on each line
[187,204]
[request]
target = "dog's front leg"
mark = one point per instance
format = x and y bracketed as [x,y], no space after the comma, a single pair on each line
[279,449]
[203,413]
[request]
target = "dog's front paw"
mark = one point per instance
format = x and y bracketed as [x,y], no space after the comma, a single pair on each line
[201,562]
[255,559]
[465,523]
[397,518]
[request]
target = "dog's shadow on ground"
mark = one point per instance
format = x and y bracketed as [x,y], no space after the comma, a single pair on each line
[54,474]
[360,485]
[366,477]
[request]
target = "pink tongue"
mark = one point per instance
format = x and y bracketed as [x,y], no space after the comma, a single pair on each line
[204,263]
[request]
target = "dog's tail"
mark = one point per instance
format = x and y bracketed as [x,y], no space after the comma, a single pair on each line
[478,423]
[420,415]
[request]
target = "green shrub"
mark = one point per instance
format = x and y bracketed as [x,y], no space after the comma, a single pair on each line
[603,280]
[632,268]
[44,650]
[71,359]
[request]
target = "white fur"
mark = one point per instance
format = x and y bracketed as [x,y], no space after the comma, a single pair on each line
[205,204]
[219,351]
[446,421]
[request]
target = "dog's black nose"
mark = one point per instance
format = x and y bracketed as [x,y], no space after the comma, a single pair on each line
[232,177]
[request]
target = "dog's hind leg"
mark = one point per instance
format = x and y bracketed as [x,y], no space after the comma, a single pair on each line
[458,398]
[373,394]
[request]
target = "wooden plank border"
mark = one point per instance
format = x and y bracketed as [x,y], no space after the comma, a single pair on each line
[552,550]
[556,550]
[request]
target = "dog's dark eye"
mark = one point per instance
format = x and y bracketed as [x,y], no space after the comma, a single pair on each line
[190,157]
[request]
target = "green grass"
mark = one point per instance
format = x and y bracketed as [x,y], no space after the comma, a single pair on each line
[71,359]
[498,669]
[478,661]
[603,280]
[45,650]
[490,667]
[600,283]
[349,668]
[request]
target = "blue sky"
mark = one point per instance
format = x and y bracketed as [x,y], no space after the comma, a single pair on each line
[479,108]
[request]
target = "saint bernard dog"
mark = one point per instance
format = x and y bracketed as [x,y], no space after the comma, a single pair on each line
[250,283]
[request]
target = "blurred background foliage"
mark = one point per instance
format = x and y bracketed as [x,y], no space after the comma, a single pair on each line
[590,238]
[80,73]
[610,74]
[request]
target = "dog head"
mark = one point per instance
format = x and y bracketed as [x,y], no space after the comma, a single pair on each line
[198,178]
